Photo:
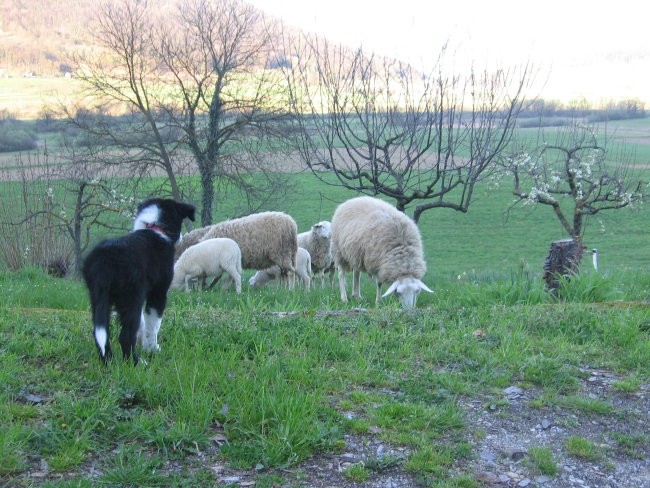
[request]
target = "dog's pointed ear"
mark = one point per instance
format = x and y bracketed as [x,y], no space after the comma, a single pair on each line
[187,210]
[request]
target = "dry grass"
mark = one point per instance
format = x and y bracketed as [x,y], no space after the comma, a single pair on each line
[27,98]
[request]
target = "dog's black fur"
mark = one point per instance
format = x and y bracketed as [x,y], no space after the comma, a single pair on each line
[133,270]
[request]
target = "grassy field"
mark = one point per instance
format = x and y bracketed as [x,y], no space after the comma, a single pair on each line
[27,98]
[241,386]
[270,381]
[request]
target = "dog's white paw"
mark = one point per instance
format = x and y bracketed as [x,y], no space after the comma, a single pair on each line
[151,347]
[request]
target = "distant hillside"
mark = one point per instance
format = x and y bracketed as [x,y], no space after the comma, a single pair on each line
[36,35]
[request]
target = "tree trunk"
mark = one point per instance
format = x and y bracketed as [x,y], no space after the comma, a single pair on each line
[207,195]
[563,260]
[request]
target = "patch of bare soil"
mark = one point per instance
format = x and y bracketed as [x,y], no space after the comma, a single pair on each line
[502,454]
[502,429]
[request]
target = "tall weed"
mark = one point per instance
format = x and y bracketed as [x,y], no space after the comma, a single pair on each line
[588,288]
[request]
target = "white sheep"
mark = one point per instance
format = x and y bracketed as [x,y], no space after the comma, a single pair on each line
[209,258]
[318,242]
[371,235]
[303,271]
[265,239]
[193,237]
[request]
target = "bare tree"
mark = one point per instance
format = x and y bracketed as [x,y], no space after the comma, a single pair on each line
[29,237]
[121,76]
[49,209]
[225,101]
[382,127]
[576,176]
[94,197]
[191,85]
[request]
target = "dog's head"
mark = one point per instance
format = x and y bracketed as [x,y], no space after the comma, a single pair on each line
[163,215]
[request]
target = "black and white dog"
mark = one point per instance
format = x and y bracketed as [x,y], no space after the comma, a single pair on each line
[133,273]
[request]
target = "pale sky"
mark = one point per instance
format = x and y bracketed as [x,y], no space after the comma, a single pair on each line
[571,41]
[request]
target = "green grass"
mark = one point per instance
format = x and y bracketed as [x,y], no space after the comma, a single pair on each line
[356,473]
[242,385]
[632,444]
[275,390]
[583,448]
[541,460]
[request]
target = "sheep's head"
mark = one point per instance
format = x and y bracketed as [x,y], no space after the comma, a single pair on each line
[407,289]
[322,229]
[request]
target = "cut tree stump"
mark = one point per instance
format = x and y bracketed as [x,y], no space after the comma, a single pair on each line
[563,260]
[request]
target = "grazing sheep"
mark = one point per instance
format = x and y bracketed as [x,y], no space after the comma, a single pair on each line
[303,271]
[371,235]
[189,239]
[318,242]
[209,258]
[265,239]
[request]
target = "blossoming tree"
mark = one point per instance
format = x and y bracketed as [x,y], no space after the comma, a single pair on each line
[576,176]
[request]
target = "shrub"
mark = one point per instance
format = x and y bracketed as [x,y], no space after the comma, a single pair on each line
[15,136]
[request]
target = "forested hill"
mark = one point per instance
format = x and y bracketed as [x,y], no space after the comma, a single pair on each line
[37,36]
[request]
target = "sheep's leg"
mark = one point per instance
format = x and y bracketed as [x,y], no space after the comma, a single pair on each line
[378,297]
[306,281]
[236,278]
[356,279]
[214,282]
[226,283]
[291,277]
[342,285]
[288,279]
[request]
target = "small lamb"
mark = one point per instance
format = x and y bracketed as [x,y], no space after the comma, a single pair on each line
[303,270]
[371,235]
[318,242]
[208,258]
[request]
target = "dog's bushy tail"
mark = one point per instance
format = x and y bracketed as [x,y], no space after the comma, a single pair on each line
[101,315]
[101,306]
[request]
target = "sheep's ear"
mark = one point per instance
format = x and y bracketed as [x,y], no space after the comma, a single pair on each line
[391,289]
[425,288]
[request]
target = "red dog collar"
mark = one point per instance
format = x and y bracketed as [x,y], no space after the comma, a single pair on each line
[157,228]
